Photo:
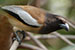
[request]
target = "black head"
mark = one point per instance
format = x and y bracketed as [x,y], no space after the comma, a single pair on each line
[53,23]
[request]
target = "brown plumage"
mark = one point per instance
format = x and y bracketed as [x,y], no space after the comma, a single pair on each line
[39,20]
[5,33]
[36,13]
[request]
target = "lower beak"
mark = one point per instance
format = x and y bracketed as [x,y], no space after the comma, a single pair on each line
[65,26]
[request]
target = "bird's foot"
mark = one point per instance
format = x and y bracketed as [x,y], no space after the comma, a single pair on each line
[20,35]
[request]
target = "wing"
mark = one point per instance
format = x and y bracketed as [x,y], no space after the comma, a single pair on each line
[24,15]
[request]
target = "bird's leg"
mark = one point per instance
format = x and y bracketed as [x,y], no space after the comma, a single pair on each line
[20,35]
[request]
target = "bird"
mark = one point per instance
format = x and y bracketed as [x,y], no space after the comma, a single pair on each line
[33,19]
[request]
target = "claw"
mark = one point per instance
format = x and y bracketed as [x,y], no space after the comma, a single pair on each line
[20,35]
[23,33]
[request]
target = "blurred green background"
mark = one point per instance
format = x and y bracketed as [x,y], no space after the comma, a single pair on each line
[64,8]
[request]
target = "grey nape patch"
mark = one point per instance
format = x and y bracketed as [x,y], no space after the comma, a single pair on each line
[25,16]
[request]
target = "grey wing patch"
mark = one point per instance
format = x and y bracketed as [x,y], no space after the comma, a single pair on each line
[25,16]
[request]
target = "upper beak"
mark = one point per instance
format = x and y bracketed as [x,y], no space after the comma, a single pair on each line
[65,26]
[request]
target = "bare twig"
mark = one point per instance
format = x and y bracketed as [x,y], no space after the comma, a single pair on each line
[53,36]
[50,37]
[28,46]
[73,26]
[24,45]
[14,45]
[63,38]
[38,43]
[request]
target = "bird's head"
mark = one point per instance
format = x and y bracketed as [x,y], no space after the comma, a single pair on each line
[53,23]
[63,24]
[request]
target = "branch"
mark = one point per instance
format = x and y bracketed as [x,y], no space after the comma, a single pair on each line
[38,43]
[50,37]
[28,46]
[14,45]
[63,38]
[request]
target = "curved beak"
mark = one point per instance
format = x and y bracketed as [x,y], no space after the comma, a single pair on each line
[65,26]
